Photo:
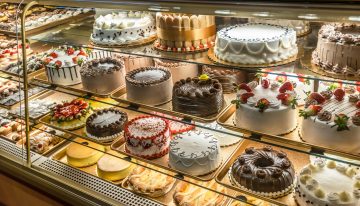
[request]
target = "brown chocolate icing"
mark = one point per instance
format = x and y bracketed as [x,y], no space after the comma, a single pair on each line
[263,170]
[198,97]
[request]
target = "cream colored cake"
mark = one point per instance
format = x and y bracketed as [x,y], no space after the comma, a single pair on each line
[179,70]
[132,62]
[111,167]
[84,153]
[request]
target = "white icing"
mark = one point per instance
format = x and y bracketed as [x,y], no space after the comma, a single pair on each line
[224,139]
[149,75]
[106,118]
[299,26]
[147,127]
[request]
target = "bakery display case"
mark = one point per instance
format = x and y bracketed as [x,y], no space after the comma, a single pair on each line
[182,103]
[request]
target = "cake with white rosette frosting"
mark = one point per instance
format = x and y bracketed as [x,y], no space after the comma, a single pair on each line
[194,152]
[328,183]
[255,44]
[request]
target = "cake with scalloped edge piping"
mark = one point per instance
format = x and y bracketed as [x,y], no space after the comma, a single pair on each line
[147,137]
[194,152]
[300,26]
[325,182]
[255,44]
[267,108]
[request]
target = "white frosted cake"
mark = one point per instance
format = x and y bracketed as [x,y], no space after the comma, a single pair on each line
[194,152]
[179,70]
[328,183]
[267,108]
[63,65]
[255,44]
[123,28]
[332,119]
[301,27]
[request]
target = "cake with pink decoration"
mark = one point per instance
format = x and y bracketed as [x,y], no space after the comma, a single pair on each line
[147,137]
[263,108]
[331,119]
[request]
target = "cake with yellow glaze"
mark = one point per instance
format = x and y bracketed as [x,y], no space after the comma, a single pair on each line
[84,154]
[111,167]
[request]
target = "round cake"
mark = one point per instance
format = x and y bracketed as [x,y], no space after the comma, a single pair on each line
[147,137]
[112,168]
[149,85]
[332,119]
[62,65]
[184,32]
[301,27]
[123,28]
[179,70]
[187,194]
[83,154]
[328,183]
[227,77]
[105,125]
[264,171]
[338,50]
[255,44]
[70,115]
[194,152]
[261,108]
[102,75]
[199,96]
[149,182]
[132,62]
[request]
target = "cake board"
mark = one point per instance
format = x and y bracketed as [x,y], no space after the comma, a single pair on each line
[299,160]
[129,44]
[157,47]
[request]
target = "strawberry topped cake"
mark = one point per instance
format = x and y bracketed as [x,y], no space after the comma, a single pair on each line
[10,55]
[331,119]
[70,115]
[63,64]
[263,108]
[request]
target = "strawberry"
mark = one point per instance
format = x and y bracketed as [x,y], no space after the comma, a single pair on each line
[58,63]
[54,55]
[245,96]
[318,97]
[358,86]
[245,87]
[262,104]
[287,99]
[47,61]
[283,97]
[339,94]
[357,104]
[281,79]
[287,86]
[303,80]
[70,51]
[6,51]
[2,56]
[341,121]
[312,110]
[82,53]
[75,60]
[265,83]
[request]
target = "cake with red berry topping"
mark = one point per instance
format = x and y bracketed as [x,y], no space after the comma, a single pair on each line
[331,119]
[267,108]
[147,137]
[70,115]
[63,64]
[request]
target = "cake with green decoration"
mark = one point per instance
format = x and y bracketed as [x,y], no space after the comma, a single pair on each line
[70,115]
[199,96]
[331,118]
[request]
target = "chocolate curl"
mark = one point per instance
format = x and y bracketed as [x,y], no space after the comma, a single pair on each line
[195,24]
[170,25]
[203,24]
[177,25]
[186,25]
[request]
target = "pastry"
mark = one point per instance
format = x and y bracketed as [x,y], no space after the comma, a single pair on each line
[184,32]
[338,49]
[328,183]
[70,115]
[147,137]
[301,27]
[255,44]
[12,129]
[191,195]
[199,96]
[124,27]
[84,154]
[227,77]
[62,65]
[331,119]
[149,182]
[11,92]
[261,108]
[102,75]
[112,168]
[194,152]
[264,171]
[34,63]
[105,125]
[36,107]
[179,70]
[149,85]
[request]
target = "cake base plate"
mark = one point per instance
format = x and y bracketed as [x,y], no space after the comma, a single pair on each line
[158,47]
[212,57]
[147,40]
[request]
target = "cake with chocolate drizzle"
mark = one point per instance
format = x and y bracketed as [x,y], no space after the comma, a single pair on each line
[102,75]
[199,96]
[149,85]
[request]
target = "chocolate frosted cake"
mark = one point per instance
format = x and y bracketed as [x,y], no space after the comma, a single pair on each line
[199,96]
[226,77]
[102,75]
[265,172]
[149,85]
[105,125]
